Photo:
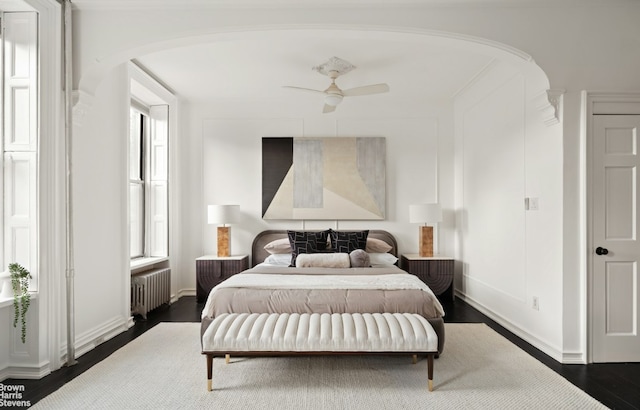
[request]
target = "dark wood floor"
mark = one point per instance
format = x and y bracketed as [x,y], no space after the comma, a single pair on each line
[615,385]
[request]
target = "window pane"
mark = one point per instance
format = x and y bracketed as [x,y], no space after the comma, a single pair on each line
[136,219]
[135,145]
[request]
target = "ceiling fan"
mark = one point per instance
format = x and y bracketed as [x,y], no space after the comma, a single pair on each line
[334,68]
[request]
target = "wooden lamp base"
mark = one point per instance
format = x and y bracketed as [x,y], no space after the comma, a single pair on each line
[426,241]
[223,241]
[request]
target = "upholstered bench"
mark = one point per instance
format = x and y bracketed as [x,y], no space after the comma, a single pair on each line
[267,334]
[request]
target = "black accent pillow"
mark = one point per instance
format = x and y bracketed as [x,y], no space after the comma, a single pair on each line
[306,242]
[346,242]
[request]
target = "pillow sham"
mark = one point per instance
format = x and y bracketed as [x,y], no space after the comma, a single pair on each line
[375,245]
[359,259]
[306,242]
[278,246]
[323,260]
[279,259]
[382,259]
[346,242]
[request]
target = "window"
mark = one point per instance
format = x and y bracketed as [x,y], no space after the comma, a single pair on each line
[148,175]
[19,143]
[138,136]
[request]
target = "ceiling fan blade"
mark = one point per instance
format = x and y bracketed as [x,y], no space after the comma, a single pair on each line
[366,90]
[303,89]
[328,108]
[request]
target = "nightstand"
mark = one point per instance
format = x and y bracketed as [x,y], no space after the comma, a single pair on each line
[435,271]
[211,270]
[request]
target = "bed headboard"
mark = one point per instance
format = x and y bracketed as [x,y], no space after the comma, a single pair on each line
[258,254]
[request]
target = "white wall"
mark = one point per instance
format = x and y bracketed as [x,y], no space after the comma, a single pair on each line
[100,211]
[228,145]
[510,255]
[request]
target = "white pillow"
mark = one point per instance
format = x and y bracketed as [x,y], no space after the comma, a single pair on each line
[377,246]
[323,260]
[279,259]
[382,259]
[278,246]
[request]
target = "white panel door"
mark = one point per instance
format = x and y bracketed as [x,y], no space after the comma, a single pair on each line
[615,287]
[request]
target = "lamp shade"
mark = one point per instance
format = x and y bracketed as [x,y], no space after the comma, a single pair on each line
[223,214]
[425,213]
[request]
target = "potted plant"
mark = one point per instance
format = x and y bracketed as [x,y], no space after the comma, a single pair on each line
[21,298]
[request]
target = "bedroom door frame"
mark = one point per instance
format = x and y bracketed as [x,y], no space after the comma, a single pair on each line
[597,103]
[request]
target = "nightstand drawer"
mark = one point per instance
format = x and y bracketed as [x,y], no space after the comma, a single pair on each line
[436,272]
[211,270]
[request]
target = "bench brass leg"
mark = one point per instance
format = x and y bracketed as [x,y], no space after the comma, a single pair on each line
[227,358]
[430,370]
[209,372]
[415,358]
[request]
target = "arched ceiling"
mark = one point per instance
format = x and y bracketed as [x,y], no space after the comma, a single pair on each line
[255,66]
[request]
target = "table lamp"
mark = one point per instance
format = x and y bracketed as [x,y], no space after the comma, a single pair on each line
[425,213]
[223,214]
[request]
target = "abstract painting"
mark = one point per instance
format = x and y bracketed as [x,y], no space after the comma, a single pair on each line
[329,178]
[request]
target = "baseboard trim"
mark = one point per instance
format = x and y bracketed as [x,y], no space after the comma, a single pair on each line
[573,358]
[524,335]
[24,372]
[184,292]
[94,337]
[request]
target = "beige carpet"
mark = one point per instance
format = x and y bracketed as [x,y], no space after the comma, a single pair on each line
[163,369]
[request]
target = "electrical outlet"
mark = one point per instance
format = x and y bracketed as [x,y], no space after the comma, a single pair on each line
[535,304]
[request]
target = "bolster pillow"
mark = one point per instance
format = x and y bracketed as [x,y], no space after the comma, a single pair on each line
[323,260]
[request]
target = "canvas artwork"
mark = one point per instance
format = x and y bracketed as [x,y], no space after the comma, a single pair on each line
[332,178]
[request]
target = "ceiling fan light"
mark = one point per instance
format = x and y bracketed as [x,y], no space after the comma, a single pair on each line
[332,99]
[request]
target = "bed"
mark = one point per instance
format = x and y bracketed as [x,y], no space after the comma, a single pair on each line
[279,288]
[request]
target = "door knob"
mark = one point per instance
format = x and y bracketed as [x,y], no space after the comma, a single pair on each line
[602,251]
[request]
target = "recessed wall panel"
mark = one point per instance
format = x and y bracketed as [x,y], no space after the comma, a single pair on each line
[620,203]
[621,297]
[20,119]
[493,217]
[20,198]
[159,201]
[21,244]
[20,48]
[159,167]
[620,141]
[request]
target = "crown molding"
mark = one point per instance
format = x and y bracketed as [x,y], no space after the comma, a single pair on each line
[245,4]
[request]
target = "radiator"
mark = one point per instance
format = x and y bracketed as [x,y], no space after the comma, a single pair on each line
[149,290]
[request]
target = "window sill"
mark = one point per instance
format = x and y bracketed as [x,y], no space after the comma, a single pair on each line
[144,262]
[4,302]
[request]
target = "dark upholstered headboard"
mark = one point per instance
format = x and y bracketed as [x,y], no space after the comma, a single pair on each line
[258,254]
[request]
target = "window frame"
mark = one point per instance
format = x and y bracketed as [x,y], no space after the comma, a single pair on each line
[20,145]
[152,98]
[142,130]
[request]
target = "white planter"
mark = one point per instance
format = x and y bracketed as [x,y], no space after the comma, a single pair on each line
[6,292]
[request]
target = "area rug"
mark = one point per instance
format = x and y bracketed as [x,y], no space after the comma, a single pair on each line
[163,369]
